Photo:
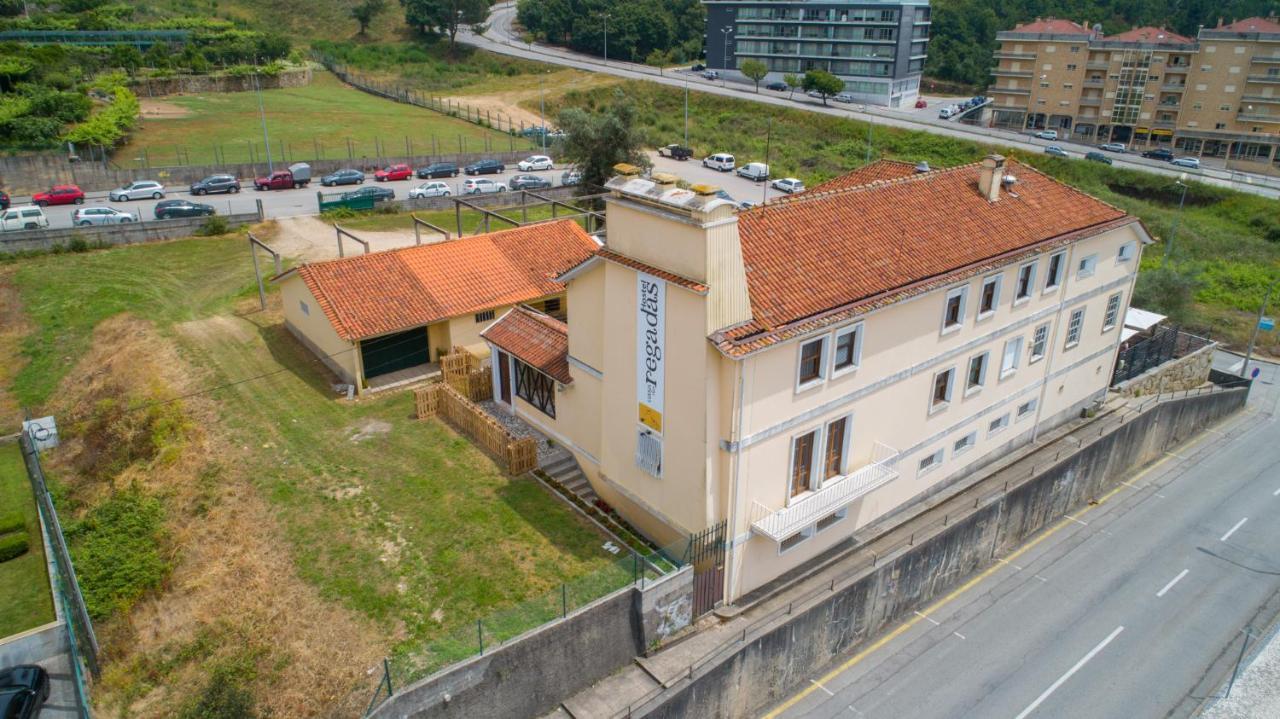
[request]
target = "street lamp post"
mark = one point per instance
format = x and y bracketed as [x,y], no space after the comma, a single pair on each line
[542,110]
[686,112]
[262,115]
[1173,230]
[605,16]
[1257,325]
[726,31]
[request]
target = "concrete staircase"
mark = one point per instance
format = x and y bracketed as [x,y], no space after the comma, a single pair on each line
[564,469]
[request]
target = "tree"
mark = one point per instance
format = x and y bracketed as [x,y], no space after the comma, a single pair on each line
[754,69]
[824,82]
[365,11]
[445,17]
[793,81]
[595,142]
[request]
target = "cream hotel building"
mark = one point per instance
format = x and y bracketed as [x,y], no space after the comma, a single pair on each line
[796,371]
[1215,95]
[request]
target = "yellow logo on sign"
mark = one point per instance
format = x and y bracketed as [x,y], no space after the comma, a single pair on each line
[651,418]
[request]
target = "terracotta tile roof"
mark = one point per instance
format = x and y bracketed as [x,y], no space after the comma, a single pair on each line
[538,340]
[1252,24]
[1151,34]
[385,292]
[826,252]
[865,175]
[1052,26]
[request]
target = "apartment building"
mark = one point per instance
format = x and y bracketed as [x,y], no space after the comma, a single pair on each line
[796,371]
[877,47]
[1215,95]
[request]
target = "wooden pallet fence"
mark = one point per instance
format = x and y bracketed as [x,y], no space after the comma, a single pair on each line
[519,454]
[462,371]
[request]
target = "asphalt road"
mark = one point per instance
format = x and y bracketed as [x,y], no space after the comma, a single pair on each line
[501,37]
[1132,608]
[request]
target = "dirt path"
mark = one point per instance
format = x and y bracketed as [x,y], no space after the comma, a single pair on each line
[308,239]
[521,104]
[161,110]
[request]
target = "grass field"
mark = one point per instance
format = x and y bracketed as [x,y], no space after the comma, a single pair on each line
[25,600]
[303,123]
[472,222]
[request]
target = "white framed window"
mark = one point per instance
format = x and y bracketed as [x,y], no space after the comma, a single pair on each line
[1026,409]
[846,351]
[1074,326]
[790,542]
[976,376]
[943,384]
[1011,358]
[835,448]
[803,473]
[812,366]
[989,298]
[1112,315]
[1086,267]
[965,443]
[931,461]
[998,424]
[953,309]
[1127,252]
[1057,268]
[1039,342]
[1026,281]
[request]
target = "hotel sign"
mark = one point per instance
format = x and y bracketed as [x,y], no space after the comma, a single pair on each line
[651,341]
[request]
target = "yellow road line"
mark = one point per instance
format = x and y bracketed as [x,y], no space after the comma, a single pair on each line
[856,658]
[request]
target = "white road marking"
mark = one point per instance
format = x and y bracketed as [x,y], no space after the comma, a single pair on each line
[1172,582]
[816,684]
[1157,494]
[855,711]
[1232,531]
[1041,578]
[1062,679]
[1068,516]
[1276,493]
[936,623]
[1134,486]
[958,634]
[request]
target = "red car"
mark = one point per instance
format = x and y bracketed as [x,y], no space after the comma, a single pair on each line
[921,103]
[59,195]
[392,173]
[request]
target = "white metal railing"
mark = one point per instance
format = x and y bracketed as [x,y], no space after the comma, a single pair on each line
[778,524]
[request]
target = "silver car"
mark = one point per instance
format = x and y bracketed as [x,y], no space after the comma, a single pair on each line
[429,189]
[138,190]
[86,216]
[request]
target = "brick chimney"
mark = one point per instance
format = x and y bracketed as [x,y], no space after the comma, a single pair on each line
[991,177]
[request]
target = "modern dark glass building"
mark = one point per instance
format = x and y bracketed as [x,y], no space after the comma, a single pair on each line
[877,48]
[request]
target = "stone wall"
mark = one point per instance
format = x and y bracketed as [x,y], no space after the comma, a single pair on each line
[1186,372]
[195,84]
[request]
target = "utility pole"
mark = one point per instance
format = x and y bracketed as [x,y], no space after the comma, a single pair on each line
[262,115]
[1173,231]
[605,15]
[686,112]
[542,110]
[1257,326]
[768,144]
[869,125]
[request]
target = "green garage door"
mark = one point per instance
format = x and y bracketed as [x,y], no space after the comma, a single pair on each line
[394,352]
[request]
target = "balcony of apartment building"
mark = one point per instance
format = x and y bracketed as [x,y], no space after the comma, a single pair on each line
[1090,100]
[1270,77]
[1261,99]
[1011,90]
[1097,65]
[1002,72]
[1170,101]
[1095,82]
[1266,60]
[1174,87]
[1005,55]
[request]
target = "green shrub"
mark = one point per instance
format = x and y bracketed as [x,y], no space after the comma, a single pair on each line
[13,545]
[12,521]
[116,550]
[225,696]
[214,225]
[78,244]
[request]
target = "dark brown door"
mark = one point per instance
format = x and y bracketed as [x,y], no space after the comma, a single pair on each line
[504,377]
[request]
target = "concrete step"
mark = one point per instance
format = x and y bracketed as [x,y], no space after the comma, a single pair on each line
[561,466]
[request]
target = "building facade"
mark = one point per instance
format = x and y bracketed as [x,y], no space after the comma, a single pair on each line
[877,48]
[1216,95]
[801,370]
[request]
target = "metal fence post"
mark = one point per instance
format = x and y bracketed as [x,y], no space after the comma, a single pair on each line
[564,600]
[480,635]
[386,673]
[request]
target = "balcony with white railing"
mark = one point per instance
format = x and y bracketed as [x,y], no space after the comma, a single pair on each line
[778,524]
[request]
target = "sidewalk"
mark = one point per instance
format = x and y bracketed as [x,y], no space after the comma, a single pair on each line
[1256,692]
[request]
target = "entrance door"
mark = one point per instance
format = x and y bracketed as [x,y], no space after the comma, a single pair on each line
[390,353]
[504,377]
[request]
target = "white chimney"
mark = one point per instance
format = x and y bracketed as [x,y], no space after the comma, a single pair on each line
[991,177]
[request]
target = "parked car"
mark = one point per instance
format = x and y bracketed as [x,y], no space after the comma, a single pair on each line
[23,691]
[23,217]
[789,185]
[59,195]
[711,75]
[215,183]
[945,113]
[528,182]
[182,208]
[430,189]
[570,178]
[438,169]
[485,167]
[482,187]
[1159,154]
[755,171]
[393,173]
[137,190]
[534,163]
[1047,135]
[1055,151]
[345,176]
[1190,162]
[379,194]
[778,86]
[1097,157]
[815,94]
[85,216]
[675,152]
[741,204]
[698,67]
[1113,147]
[921,103]
[722,161]
[298,175]
[843,97]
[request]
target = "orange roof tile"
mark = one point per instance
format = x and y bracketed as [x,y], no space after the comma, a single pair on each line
[538,340]
[1052,26]
[1151,34]
[671,277]
[385,292]
[824,252]
[865,175]
[1252,24]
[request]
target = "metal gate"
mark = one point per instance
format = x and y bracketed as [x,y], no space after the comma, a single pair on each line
[706,552]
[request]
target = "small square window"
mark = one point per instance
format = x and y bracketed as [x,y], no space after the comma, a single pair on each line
[789,542]
[831,519]
[930,462]
[1074,326]
[1087,266]
[1112,314]
[847,350]
[1057,266]
[1039,342]
[1011,358]
[965,443]
[977,374]
[811,362]
[998,424]
[942,385]
[1126,252]
[1026,281]
[551,306]
[953,312]
[1026,409]
[485,316]
[990,296]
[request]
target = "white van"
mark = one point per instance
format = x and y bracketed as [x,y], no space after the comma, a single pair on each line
[721,161]
[23,217]
[945,113]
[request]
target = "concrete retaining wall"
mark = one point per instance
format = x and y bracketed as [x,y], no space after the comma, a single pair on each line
[194,84]
[767,668]
[127,234]
[1186,372]
[35,645]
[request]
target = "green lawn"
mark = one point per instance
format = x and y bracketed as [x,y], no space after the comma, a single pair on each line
[472,221]
[25,600]
[325,119]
